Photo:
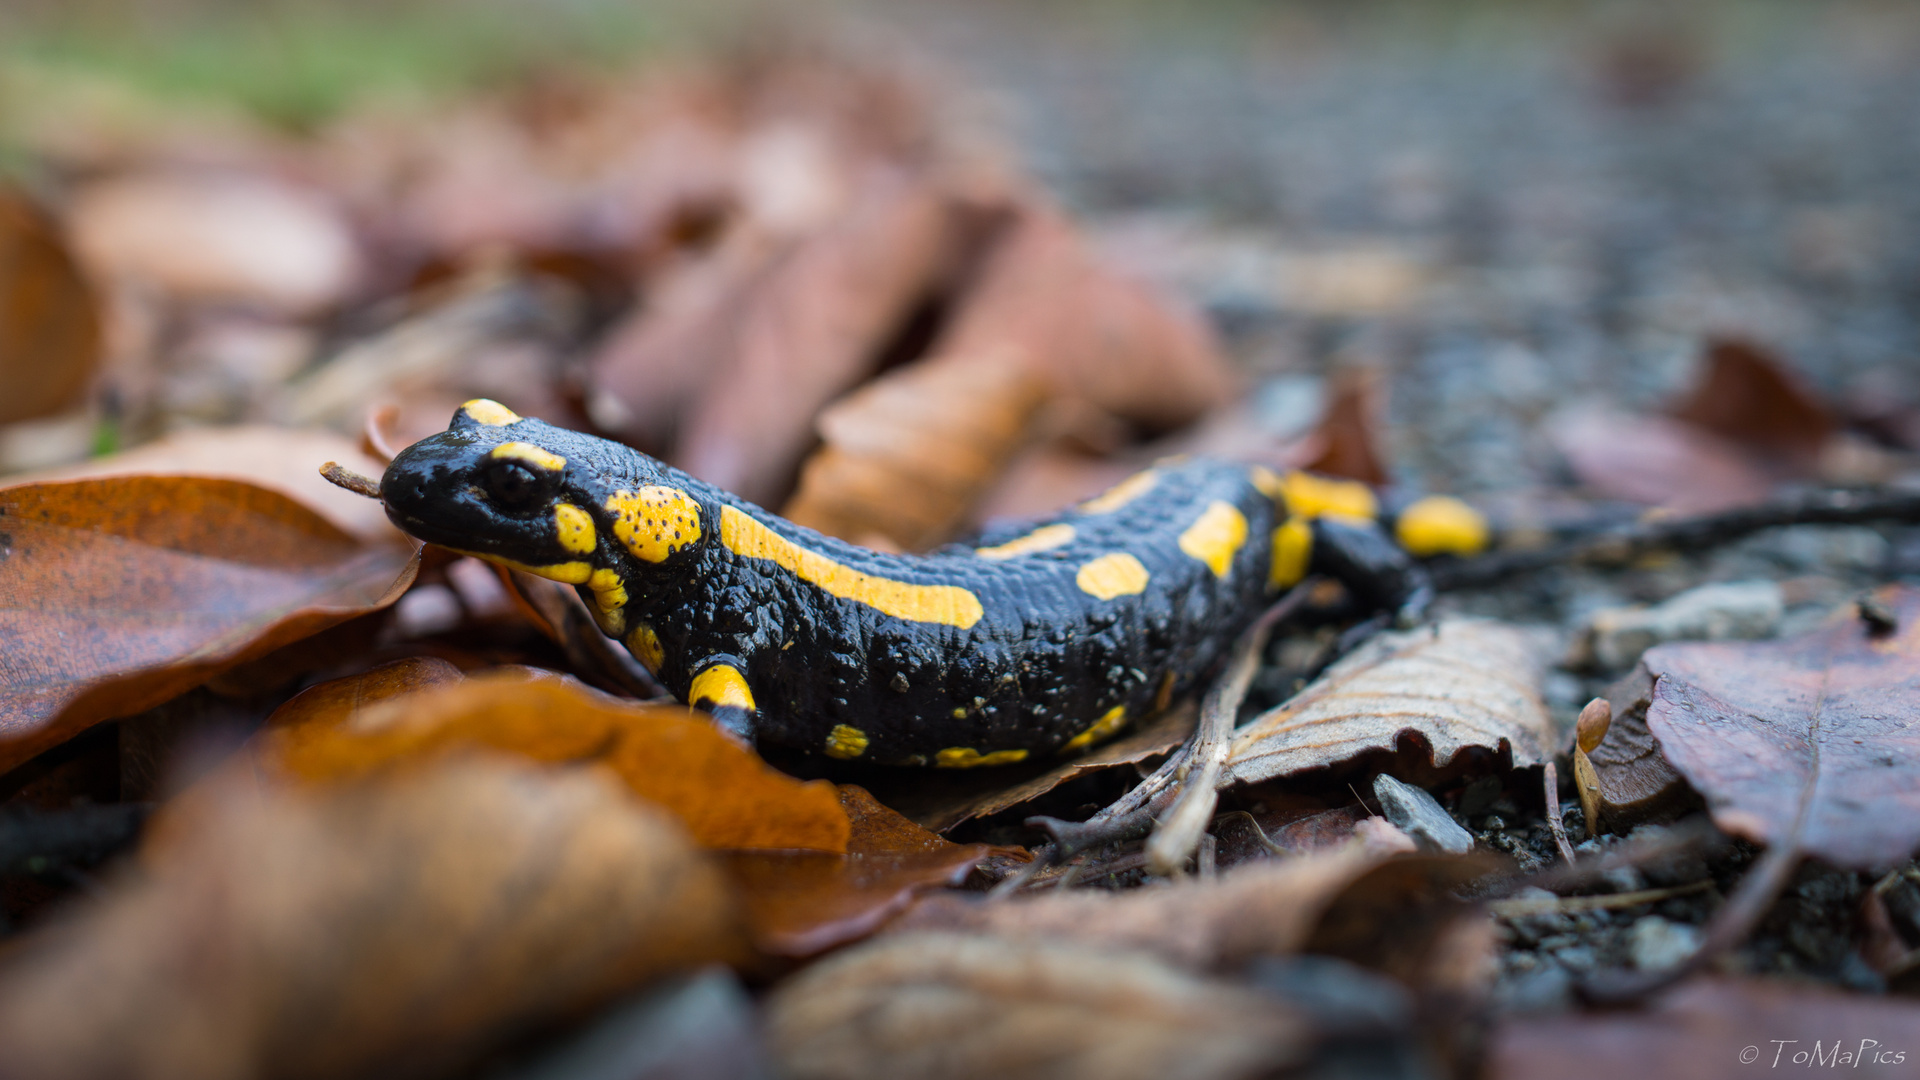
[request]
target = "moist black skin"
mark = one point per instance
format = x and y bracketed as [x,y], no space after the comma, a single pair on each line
[1045,660]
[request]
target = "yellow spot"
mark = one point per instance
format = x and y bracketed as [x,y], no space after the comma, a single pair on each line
[644,644]
[575,528]
[721,684]
[1108,576]
[1441,524]
[966,757]
[1267,482]
[1216,536]
[489,412]
[1113,721]
[1121,493]
[948,604]
[528,454]
[1292,547]
[1310,496]
[609,597]
[570,573]
[846,742]
[1044,538]
[655,521]
[960,713]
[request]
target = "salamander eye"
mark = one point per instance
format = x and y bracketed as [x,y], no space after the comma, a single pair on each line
[514,486]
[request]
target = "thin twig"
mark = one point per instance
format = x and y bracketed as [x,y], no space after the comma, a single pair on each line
[340,476]
[1554,824]
[1624,542]
[1568,905]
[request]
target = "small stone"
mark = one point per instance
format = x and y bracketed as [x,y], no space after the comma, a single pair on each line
[1655,944]
[1624,879]
[1744,610]
[1415,813]
[1577,958]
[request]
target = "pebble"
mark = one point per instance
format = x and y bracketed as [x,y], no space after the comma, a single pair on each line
[1655,944]
[1416,813]
[1744,610]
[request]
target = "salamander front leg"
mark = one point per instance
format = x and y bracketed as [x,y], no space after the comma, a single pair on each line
[721,690]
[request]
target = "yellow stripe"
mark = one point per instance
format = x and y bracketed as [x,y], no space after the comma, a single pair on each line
[966,757]
[574,527]
[721,684]
[491,413]
[570,573]
[1216,536]
[948,604]
[528,454]
[1045,538]
[1108,576]
[1114,719]
[1122,493]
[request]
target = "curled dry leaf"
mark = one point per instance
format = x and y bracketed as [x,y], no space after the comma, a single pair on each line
[279,459]
[218,237]
[948,1005]
[667,754]
[1714,1029]
[1348,434]
[49,318]
[395,926]
[1461,684]
[910,454]
[1812,743]
[117,594]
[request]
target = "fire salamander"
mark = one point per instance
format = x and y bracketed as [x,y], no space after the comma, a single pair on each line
[1029,643]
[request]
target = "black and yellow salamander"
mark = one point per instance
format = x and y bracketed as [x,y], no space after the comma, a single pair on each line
[1023,644]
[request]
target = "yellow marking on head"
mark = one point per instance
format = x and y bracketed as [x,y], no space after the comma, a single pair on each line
[569,573]
[644,644]
[846,742]
[655,521]
[1113,721]
[609,598]
[1121,493]
[947,604]
[489,412]
[721,684]
[528,454]
[1441,524]
[1292,548]
[1267,482]
[1044,538]
[575,528]
[966,757]
[1117,574]
[1311,496]
[1216,536]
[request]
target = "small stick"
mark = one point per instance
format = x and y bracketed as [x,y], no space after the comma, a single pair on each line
[1554,824]
[340,476]
[1513,909]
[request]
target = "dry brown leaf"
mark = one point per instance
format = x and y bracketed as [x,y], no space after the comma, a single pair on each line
[1716,1029]
[818,323]
[1464,683]
[1812,743]
[722,792]
[1348,432]
[950,1006]
[286,460]
[117,594]
[397,926]
[1625,780]
[218,237]
[1750,398]
[49,318]
[909,455]
[801,903]
[1656,460]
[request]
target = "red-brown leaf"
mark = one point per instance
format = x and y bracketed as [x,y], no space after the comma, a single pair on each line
[49,319]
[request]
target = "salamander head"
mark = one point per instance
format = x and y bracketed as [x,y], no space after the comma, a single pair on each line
[526,494]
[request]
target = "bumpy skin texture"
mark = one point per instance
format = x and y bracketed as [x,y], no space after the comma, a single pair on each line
[954,658]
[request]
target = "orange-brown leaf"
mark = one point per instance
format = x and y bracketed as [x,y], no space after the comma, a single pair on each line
[117,594]
[1749,397]
[49,319]
[723,793]
[799,903]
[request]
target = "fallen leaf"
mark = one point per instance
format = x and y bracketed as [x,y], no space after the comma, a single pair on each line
[1812,742]
[117,594]
[1463,683]
[1348,433]
[910,454]
[1624,780]
[722,792]
[1656,460]
[1713,1029]
[398,926]
[210,236]
[1749,397]
[49,318]
[816,325]
[946,1005]
[285,460]
[879,829]
[802,903]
